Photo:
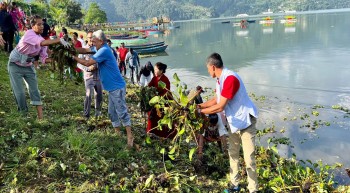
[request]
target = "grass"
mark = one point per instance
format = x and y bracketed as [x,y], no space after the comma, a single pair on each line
[58,154]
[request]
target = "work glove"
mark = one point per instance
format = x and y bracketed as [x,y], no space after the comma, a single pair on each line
[64,43]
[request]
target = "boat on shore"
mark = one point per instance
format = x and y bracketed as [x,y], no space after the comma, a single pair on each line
[148,45]
[156,49]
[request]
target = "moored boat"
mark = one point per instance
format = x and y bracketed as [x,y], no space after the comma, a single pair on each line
[125,38]
[267,20]
[151,50]
[288,20]
[148,45]
[116,36]
[153,31]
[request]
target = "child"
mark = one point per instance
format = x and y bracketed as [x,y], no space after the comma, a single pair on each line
[214,131]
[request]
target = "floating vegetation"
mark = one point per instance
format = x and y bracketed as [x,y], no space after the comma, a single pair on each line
[338,107]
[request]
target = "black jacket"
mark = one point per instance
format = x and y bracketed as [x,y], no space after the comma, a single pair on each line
[6,22]
[147,69]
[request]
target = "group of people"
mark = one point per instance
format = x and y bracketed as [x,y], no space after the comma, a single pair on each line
[100,67]
[12,20]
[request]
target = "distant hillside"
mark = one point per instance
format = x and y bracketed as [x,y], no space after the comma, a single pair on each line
[131,10]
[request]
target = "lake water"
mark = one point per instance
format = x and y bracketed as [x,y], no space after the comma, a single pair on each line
[296,66]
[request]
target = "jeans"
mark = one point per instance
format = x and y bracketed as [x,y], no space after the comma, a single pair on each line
[92,86]
[8,37]
[17,75]
[117,109]
[122,68]
[134,71]
[247,138]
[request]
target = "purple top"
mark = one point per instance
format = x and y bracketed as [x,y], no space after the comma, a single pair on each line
[30,45]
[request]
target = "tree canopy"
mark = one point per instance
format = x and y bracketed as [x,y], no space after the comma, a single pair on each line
[95,15]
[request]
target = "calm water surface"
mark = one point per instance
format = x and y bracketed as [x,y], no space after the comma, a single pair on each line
[296,66]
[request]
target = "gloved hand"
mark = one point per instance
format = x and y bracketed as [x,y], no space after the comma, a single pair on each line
[64,43]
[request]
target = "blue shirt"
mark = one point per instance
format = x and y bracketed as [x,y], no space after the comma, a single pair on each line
[107,66]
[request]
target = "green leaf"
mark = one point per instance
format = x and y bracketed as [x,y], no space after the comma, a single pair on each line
[161,85]
[191,153]
[269,140]
[274,149]
[170,123]
[182,131]
[148,140]
[176,77]
[266,173]
[148,181]
[183,99]
[82,167]
[192,178]
[165,121]
[172,151]
[162,151]
[154,100]
[172,157]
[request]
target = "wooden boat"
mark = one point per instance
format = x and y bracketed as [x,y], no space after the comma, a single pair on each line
[267,20]
[152,49]
[116,36]
[153,31]
[251,21]
[136,41]
[288,20]
[148,45]
[126,38]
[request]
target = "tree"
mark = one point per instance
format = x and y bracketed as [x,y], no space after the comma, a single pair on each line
[39,8]
[70,11]
[95,15]
[59,15]
[74,12]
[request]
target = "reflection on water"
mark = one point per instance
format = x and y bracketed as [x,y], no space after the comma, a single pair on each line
[242,32]
[302,64]
[289,30]
[267,30]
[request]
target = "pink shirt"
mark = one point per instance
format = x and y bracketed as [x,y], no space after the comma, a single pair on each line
[30,45]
